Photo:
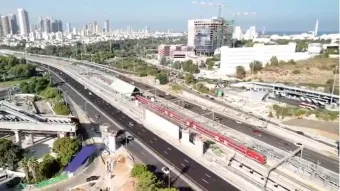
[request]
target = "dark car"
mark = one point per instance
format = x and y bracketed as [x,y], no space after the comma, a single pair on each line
[13,182]
[300,132]
[92,178]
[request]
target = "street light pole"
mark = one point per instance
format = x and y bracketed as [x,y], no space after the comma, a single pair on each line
[169,178]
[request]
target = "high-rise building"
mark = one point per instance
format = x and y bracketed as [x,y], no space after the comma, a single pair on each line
[107,26]
[54,26]
[94,27]
[13,24]
[60,26]
[68,26]
[237,34]
[1,33]
[47,26]
[206,35]
[41,24]
[5,26]
[24,23]
[33,27]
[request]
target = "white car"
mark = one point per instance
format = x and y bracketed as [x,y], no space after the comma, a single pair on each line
[298,144]
[166,170]
[204,108]
[238,122]
[90,93]
[131,124]
[105,152]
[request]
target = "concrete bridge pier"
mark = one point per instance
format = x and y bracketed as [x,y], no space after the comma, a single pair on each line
[29,138]
[17,137]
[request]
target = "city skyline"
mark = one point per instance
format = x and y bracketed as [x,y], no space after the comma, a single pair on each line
[288,18]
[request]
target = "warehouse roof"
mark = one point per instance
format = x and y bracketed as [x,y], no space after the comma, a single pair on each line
[123,87]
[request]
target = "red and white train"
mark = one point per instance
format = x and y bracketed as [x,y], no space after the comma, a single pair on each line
[249,152]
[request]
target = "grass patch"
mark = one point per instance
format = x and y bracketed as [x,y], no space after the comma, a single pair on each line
[11,83]
[176,88]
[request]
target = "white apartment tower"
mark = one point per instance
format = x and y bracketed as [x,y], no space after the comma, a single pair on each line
[237,34]
[68,27]
[24,23]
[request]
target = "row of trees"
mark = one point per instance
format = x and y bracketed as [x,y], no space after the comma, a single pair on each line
[50,166]
[10,154]
[12,68]
[100,51]
[147,180]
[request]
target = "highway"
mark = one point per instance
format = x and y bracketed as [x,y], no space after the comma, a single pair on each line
[203,177]
[271,139]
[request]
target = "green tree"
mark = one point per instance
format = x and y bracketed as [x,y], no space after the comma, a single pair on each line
[167,189]
[138,170]
[189,78]
[147,182]
[177,65]
[255,66]
[61,109]
[240,72]
[10,154]
[33,165]
[24,165]
[50,92]
[210,65]
[162,77]
[49,166]
[163,61]
[274,61]
[65,148]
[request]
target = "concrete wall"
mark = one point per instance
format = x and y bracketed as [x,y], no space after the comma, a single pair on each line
[233,57]
[162,124]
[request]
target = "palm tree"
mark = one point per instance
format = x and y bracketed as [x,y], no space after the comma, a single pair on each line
[33,165]
[24,165]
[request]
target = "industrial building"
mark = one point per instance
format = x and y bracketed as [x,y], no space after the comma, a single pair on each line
[233,57]
[206,35]
[174,51]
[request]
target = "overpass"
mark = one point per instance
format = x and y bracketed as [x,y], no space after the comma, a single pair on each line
[18,120]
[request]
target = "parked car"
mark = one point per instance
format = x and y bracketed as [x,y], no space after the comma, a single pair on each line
[131,124]
[92,178]
[300,132]
[13,182]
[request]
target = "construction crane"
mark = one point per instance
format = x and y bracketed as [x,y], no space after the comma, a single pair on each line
[220,6]
[244,13]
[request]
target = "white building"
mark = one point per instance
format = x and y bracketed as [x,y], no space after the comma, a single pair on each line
[314,48]
[237,33]
[24,23]
[233,57]
[74,31]
[250,33]
[59,36]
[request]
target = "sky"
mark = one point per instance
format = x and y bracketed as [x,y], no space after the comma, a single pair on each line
[274,15]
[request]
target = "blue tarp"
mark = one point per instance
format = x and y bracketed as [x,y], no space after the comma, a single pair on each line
[80,158]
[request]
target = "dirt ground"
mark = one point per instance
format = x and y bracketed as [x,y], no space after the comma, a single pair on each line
[312,71]
[323,128]
[130,185]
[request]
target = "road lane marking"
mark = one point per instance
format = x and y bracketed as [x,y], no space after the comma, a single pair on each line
[139,133]
[182,164]
[205,181]
[143,130]
[150,141]
[186,160]
[155,139]
[169,149]
[166,152]
[208,175]
[143,153]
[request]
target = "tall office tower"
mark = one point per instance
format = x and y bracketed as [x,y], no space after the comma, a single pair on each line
[47,26]
[24,23]
[5,26]
[13,24]
[54,26]
[107,26]
[94,27]
[68,27]
[60,26]
[33,27]
[1,34]
[209,34]
[41,24]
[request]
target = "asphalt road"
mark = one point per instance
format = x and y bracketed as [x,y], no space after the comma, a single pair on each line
[271,139]
[203,177]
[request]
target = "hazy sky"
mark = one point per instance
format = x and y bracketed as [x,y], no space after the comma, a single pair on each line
[275,15]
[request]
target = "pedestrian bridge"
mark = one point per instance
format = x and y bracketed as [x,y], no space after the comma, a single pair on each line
[16,118]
